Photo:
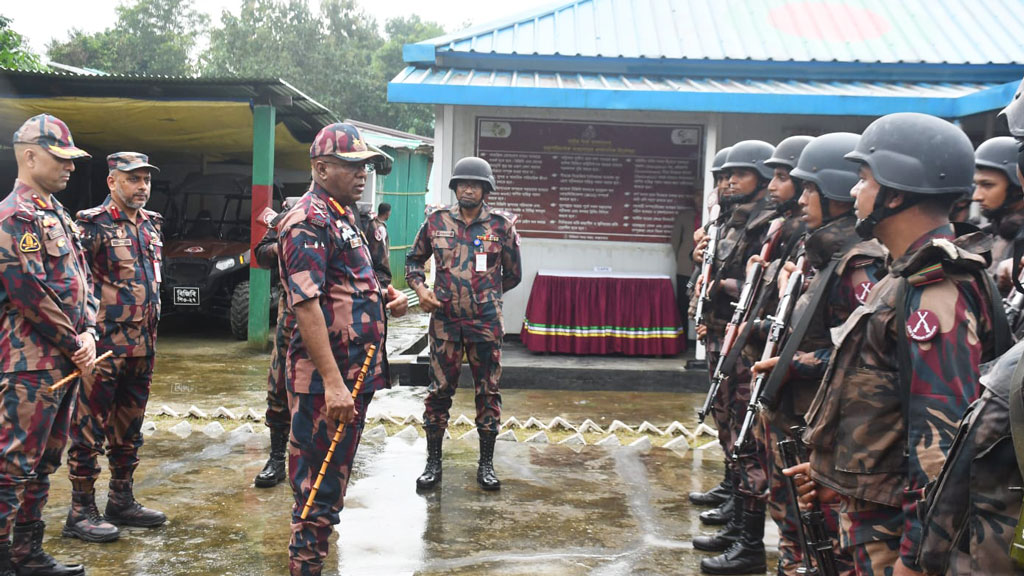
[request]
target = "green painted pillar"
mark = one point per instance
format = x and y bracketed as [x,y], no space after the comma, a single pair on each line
[264,120]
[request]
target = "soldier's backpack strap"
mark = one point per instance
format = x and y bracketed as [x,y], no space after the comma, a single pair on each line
[770,396]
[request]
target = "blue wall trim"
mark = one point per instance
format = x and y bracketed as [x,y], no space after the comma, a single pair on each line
[419,53]
[803,104]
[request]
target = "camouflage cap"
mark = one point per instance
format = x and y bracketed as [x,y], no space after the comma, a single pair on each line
[128,161]
[341,140]
[52,134]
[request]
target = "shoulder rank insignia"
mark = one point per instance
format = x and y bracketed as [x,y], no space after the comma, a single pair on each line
[922,325]
[928,275]
[29,242]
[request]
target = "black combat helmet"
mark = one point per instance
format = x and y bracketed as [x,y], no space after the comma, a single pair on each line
[999,153]
[473,168]
[750,154]
[823,162]
[915,153]
[787,153]
[1014,113]
[720,157]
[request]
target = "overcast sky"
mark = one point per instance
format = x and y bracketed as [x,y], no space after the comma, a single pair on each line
[40,22]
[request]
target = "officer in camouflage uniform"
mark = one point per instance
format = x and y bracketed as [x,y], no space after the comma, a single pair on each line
[476,251]
[339,308]
[47,329]
[905,364]
[278,419]
[972,511]
[997,190]
[380,243]
[122,243]
[835,292]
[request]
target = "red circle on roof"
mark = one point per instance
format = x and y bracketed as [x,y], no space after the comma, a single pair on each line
[828,21]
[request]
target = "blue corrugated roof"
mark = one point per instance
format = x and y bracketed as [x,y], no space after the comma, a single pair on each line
[977,32]
[644,92]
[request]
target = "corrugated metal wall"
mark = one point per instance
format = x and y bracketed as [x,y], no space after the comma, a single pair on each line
[405,188]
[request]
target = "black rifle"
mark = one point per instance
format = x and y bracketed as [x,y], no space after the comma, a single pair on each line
[707,261]
[742,306]
[780,322]
[814,538]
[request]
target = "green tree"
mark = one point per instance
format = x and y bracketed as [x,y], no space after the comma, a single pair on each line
[14,52]
[387,63]
[150,37]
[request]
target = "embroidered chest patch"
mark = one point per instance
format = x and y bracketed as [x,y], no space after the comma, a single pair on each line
[29,242]
[922,325]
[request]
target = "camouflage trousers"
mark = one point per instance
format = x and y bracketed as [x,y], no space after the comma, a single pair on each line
[871,533]
[720,407]
[310,439]
[109,412]
[33,432]
[783,510]
[445,367]
[751,461]
[278,416]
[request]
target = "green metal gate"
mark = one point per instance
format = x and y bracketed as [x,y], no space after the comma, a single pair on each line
[405,188]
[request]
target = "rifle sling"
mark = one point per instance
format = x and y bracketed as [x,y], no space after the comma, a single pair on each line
[769,397]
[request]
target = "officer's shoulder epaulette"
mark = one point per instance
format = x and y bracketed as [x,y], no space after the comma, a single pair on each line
[154,215]
[932,261]
[89,214]
[318,213]
[510,217]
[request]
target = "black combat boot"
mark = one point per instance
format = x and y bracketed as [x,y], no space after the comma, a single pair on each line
[6,569]
[718,516]
[717,495]
[28,557]
[274,473]
[726,536]
[746,555]
[123,510]
[432,472]
[84,520]
[485,475]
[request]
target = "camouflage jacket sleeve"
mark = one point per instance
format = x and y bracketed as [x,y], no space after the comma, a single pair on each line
[377,241]
[511,262]
[852,289]
[90,244]
[948,324]
[23,276]
[303,253]
[266,250]
[416,258]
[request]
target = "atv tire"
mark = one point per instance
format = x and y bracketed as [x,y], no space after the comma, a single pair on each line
[240,311]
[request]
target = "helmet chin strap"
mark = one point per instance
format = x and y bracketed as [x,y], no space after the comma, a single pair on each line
[735,199]
[865,227]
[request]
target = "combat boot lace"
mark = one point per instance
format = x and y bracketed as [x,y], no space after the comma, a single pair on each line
[123,510]
[485,475]
[746,555]
[6,569]
[84,520]
[728,535]
[274,471]
[432,472]
[28,557]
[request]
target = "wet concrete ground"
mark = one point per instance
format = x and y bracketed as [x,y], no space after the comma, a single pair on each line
[589,510]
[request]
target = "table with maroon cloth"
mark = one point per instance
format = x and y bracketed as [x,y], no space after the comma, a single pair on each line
[582,312]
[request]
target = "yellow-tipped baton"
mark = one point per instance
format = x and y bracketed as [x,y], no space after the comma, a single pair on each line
[59,383]
[338,432]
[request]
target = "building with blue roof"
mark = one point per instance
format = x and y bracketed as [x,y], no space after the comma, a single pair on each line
[540,93]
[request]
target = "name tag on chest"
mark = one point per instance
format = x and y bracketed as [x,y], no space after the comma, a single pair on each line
[119,242]
[481,262]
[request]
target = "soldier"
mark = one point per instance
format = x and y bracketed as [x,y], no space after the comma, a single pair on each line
[836,291]
[278,419]
[339,309]
[122,243]
[972,513]
[380,243]
[720,493]
[997,190]
[476,251]
[48,319]
[905,364]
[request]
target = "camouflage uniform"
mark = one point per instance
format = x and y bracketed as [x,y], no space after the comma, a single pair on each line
[863,446]
[470,314]
[972,509]
[379,243]
[323,256]
[45,303]
[278,416]
[847,287]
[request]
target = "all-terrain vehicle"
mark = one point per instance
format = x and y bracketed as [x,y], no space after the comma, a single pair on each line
[206,250]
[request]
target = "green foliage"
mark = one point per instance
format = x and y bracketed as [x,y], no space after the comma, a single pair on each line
[14,53]
[150,37]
